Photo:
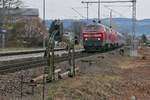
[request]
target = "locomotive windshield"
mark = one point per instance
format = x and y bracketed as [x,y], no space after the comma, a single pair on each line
[92,28]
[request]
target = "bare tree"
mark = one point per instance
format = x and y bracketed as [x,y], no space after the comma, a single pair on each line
[27,33]
[5,5]
[10,3]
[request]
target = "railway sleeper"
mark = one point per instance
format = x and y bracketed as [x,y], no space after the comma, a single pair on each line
[58,75]
[67,73]
[39,78]
[90,62]
[36,82]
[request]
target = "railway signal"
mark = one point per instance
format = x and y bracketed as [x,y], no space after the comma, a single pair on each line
[56,34]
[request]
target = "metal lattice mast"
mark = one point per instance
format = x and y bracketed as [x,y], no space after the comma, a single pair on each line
[133,24]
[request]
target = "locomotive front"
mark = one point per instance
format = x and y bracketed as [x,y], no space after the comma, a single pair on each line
[93,37]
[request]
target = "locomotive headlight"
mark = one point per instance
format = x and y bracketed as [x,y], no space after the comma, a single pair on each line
[99,39]
[86,39]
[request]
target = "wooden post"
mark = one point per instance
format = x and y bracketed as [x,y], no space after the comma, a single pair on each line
[33,89]
[43,95]
[21,86]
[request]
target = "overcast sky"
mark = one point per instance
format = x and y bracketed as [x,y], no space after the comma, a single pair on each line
[63,9]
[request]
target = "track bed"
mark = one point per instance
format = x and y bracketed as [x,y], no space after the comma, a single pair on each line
[107,76]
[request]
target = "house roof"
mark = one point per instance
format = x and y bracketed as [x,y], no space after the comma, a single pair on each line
[19,12]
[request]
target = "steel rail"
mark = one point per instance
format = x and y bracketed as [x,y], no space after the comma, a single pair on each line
[25,52]
[35,63]
[41,61]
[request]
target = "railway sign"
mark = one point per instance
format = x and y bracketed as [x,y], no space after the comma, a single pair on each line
[2,31]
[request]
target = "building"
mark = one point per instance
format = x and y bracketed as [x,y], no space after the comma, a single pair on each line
[11,15]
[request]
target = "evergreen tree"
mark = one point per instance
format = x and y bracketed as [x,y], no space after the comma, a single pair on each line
[144,38]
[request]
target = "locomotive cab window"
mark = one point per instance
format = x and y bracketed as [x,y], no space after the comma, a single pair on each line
[93,28]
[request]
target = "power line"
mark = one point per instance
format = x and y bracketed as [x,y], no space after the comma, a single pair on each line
[112,10]
[108,1]
[118,5]
[115,11]
[78,13]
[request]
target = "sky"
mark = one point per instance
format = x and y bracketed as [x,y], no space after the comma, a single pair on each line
[62,9]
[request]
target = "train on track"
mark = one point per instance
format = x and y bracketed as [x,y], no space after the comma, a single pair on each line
[97,37]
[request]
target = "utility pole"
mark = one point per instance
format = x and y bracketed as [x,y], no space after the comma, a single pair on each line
[43,95]
[87,9]
[44,23]
[3,5]
[3,21]
[111,18]
[99,11]
[134,52]
[3,40]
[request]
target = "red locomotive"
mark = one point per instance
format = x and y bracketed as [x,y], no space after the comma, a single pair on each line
[98,37]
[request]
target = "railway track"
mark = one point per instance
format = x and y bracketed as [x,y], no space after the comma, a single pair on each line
[10,68]
[41,61]
[14,53]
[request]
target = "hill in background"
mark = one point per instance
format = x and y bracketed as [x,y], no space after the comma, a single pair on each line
[123,25]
